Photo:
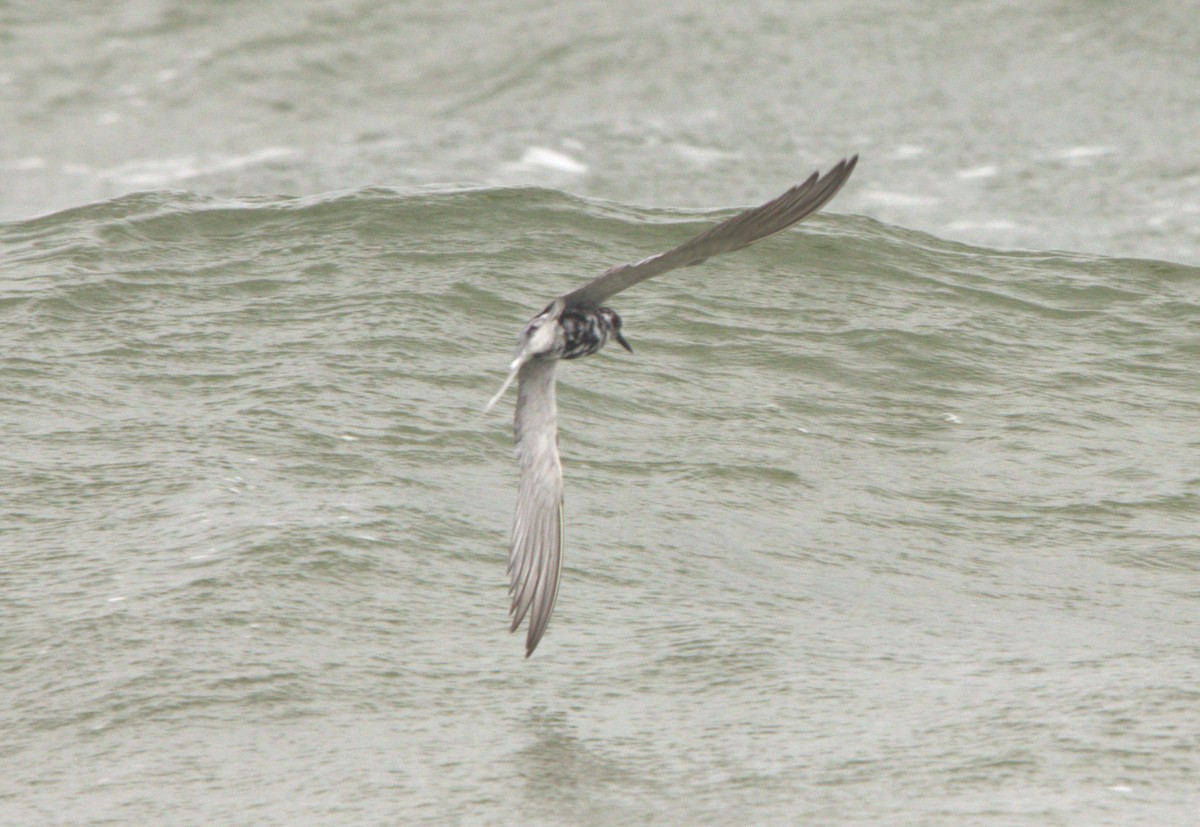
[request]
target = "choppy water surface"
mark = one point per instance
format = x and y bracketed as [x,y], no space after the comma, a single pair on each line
[873,525]
[874,528]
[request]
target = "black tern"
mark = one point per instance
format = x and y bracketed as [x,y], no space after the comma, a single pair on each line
[573,325]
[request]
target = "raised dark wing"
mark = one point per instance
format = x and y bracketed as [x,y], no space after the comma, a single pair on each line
[740,231]
[535,555]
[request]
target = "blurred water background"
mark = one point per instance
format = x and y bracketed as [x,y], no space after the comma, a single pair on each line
[891,519]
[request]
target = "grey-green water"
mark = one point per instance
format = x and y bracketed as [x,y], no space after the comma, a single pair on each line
[875,527]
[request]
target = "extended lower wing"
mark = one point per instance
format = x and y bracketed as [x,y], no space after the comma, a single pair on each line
[535,556]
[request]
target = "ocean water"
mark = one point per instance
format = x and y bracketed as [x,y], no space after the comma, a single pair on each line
[890,519]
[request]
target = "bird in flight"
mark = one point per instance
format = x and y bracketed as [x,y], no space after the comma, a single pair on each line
[576,324]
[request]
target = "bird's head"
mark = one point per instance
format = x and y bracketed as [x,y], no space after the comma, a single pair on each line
[614,322]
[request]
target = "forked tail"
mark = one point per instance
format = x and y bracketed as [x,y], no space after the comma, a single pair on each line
[512,374]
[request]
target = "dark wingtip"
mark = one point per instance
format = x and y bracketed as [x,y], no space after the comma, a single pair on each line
[848,165]
[530,644]
[842,168]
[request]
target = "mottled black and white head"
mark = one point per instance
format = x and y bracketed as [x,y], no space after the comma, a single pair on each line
[586,331]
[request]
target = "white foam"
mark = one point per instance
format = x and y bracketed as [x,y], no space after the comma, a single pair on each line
[166,171]
[905,151]
[702,156]
[990,224]
[540,156]
[899,199]
[985,171]
[1076,153]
